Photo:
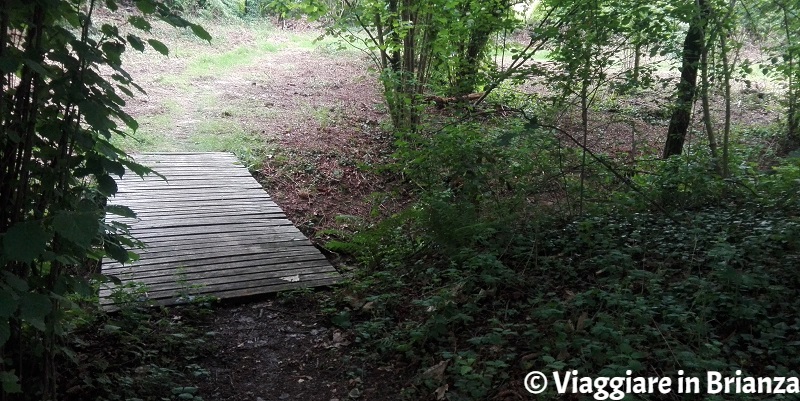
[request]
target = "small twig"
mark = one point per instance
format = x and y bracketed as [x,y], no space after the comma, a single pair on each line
[677,362]
[627,181]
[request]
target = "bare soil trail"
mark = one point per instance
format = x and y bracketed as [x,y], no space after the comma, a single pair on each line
[306,115]
[307,118]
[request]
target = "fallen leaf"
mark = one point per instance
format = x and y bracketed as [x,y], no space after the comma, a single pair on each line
[436,372]
[441,391]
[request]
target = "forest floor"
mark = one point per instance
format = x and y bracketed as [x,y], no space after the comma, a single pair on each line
[307,117]
[309,120]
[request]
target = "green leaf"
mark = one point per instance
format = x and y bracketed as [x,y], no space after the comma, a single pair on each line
[79,228]
[8,65]
[342,319]
[120,210]
[106,185]
[146,6]
[36,67]
[130,121]
[8,303]
[113,167]
[15,282]
[116,252]
[159,47]
[139,169]
[111,5]
[5,333]
[25,241]
[109,30]
[136,43]
[140,23]
[113,51]
[96,115]
[33,308]
[200,32]
[124,89]
[10,381]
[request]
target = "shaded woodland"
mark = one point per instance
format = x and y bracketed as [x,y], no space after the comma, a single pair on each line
[603,185]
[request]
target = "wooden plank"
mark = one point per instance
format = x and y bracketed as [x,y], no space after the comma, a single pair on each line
[211,185]
[213,288]
[210,242]
[177,166]
[185,173]
[157,197]
[209,237]
[185,178]
[246,292]
[275,240]
[204,225]
[171,154]
[240,248]
[155,217]
[159,214]
[180,181]
[211,259]
[171,298]
[258,205]
[200,223]
[198,204]
[189,192]
[178,282]
[159,232]
[189,202]
[169,272]
[213,226]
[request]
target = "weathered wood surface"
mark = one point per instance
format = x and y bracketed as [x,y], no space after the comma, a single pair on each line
[210,229]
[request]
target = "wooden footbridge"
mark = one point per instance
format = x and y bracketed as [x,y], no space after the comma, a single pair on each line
[210,229]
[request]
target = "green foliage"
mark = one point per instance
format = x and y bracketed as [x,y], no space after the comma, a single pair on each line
[140,352]
[289,9]
[282,9]
[476,284]
[437,46]
[776,23]
[57,117]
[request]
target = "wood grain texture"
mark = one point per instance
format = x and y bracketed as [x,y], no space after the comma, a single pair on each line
[209,229]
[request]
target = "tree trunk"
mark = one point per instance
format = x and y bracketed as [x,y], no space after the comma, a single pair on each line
[467,72]
[712,138]
[687,87]
[637,61]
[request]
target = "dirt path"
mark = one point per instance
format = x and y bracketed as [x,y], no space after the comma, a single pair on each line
[307,119]
[305,115]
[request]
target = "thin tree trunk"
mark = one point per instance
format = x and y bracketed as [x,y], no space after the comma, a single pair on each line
[792,117]
[727,71]
[687,87]
[712,140]
[637,61]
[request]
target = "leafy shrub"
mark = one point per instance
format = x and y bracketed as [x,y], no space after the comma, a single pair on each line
[63,84]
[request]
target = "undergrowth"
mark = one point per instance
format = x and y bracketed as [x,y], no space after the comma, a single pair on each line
[493,273]
[138,352]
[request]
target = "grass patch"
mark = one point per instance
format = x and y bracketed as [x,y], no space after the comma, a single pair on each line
[229,136]
[218,64]
[143,140]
